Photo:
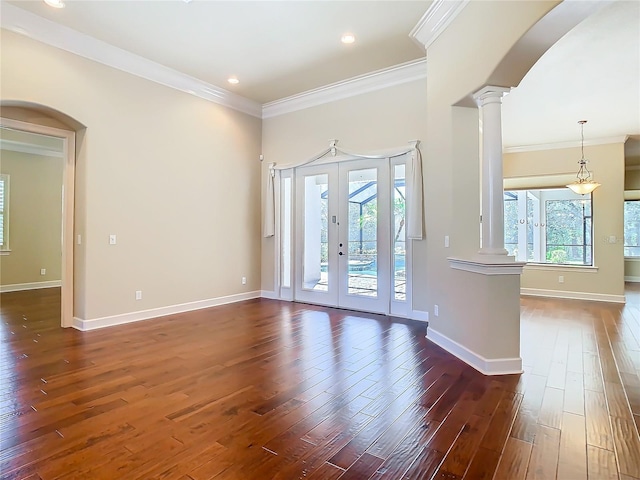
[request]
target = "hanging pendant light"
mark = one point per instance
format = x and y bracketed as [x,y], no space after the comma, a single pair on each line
[584,184]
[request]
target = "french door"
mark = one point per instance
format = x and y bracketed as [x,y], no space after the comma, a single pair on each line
[349,225]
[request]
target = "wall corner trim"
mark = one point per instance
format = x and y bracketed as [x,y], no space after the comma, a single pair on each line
[102,322]
[59,36]
[369,82]
[269,294]
[569,144]
[435,20]
[420,316]
[486,366]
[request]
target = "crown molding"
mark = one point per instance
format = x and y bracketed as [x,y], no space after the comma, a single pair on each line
[435,20]
[30,148]
[559,145]
[65,38]
[377,80]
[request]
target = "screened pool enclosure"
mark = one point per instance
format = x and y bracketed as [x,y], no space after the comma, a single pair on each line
[363,237]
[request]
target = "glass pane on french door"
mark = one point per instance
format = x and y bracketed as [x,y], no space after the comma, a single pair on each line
[315,262]
[399,245]
[363,233]
[343,235]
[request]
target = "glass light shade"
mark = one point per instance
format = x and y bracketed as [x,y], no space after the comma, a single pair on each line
[582,188]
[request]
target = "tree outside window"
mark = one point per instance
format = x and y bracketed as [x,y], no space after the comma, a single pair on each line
[549,226]
[632,228]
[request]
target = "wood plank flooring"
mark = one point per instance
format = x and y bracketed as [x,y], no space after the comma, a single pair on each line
[273,390]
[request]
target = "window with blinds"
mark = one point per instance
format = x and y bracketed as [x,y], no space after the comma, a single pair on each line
[4,212]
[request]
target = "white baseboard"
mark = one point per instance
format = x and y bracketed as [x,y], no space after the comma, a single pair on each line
[269,294]
[16,287]
[420,316]
[94,323]
[413,315]
[632,279]
[596,297]
[486,366]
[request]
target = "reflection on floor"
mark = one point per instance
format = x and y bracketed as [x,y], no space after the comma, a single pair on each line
[264,389]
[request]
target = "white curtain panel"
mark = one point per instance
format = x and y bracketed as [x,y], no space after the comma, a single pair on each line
[415,224]
[269,206]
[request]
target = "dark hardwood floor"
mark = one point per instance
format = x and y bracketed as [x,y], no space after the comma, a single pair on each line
[272,390]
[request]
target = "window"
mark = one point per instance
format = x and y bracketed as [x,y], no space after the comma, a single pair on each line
[4,212]
[550,226]
[632,228]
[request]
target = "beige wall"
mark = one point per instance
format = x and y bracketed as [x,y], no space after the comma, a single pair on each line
[373,121]
[457,68]
[35,217]
[460,61]
[175,177]
[632,180]
[632,270]
[607,164]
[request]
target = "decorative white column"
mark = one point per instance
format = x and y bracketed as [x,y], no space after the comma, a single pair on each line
[489,100]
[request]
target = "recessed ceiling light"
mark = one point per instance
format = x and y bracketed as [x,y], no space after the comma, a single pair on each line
[55,3]
[348,38]
[233,80]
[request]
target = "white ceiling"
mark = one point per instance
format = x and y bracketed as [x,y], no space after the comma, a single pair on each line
[592,73]
[281,48]
[275,48]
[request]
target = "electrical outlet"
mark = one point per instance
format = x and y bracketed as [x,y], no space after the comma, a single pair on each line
[43,271]
[435,310]
[244,280]
[560,278]
[138,294]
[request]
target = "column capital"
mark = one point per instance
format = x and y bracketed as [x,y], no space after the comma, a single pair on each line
[490,94]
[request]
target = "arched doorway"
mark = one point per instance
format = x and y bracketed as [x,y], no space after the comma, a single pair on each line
[40,120]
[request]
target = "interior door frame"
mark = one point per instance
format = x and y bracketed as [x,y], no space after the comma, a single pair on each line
[68,202]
